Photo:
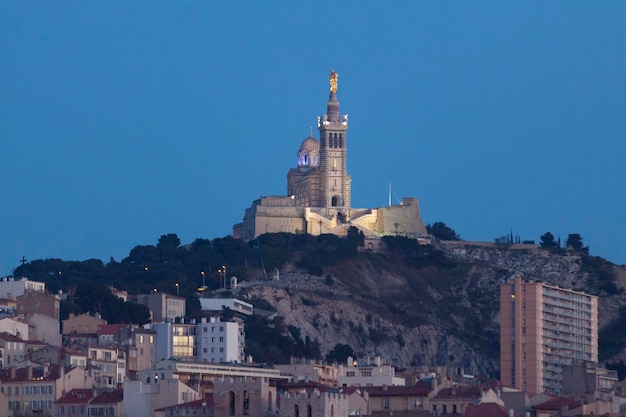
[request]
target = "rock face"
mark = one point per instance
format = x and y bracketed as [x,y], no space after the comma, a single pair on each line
[443,316]
[332,320]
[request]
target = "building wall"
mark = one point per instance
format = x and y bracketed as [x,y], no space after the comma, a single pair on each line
[164,307]
[36,302]
[323,404]
[14,327]
[324,374]
[145,343]
[147,397]
[11,288]
[401,220]
[218,304]
[14,350]
[177,340]
[367,376]
[83,323]
[46,328]
[220,342]
[242,396]
[542,328]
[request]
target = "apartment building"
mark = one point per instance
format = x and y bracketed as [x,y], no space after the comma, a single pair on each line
[543,328]
[112,370]
[220,342]
[176,340]
[141,351]
[13,348]
[33,390]
[10,288]
[369,372]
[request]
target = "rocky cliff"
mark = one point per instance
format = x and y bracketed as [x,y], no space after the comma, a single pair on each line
[439,309]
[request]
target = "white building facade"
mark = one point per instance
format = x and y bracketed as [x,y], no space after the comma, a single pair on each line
[220,342]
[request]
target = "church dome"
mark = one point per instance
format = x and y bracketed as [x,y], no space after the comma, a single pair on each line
[310,144]
[309,153]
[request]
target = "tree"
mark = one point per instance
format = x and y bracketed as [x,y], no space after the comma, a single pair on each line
[576,242]
[168,242]
[340,353]
[441,231]
[356,236]
[547,241]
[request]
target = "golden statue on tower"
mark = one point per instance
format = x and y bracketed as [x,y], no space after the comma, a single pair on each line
[332,79]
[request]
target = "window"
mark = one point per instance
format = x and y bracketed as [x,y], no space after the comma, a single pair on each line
[296,411]
[418,402]
[246,403]
[386,403]
[140,338]
[151,339]
[231,401]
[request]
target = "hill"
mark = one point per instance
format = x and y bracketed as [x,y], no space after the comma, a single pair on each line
[411,304]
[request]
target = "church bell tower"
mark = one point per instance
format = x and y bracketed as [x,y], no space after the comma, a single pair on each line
[335,181]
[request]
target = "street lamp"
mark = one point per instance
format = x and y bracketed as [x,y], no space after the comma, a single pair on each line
[222,274]
[202,273]
[177,293]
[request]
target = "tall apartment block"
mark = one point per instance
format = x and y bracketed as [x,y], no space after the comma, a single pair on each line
[542,328]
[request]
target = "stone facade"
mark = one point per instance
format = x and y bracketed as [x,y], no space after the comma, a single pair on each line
[243,396]
[319,192]
[314,404]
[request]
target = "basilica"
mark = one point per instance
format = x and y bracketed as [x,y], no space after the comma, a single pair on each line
[319,189]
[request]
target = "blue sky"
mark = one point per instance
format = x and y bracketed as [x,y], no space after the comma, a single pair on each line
[123,121]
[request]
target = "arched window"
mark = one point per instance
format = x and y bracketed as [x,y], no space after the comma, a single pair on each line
[246,403]
[231,403]
[332,410]
[335,201]
[269,401]
[341,140]
[309,411]
[296,411]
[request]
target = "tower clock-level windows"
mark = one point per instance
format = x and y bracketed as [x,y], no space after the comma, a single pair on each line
[334,163]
